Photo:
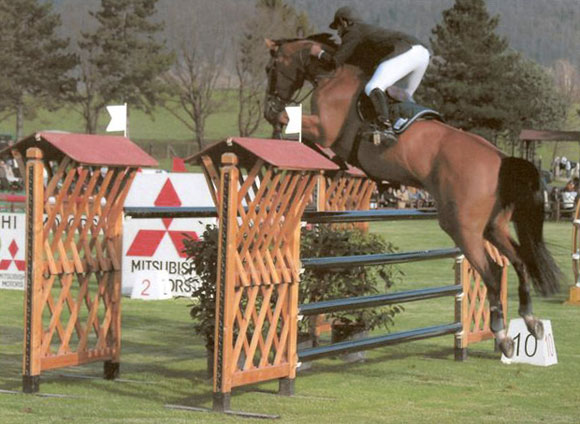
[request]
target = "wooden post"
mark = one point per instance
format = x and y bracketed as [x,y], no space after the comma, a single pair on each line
[34,261]
[461,308]
[112,367]
[228,208]
[286,385]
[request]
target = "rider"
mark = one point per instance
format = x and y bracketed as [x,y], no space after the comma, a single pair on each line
[389,56]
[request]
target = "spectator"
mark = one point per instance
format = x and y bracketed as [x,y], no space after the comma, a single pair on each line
[403,197]
[569,195]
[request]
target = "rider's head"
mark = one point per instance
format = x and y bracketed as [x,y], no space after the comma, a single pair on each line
[344,17]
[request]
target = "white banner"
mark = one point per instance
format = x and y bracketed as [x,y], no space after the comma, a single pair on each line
[12,250]
[154,245]
[118,118]
[294,125]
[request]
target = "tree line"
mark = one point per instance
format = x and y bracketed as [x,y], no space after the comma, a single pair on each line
[184,55]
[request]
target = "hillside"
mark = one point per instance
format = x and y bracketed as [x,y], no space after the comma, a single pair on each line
[544,30]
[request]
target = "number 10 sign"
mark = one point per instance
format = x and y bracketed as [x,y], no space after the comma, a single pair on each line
[527,349]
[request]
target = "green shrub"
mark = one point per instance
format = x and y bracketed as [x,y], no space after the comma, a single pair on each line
[315,286]
[203,255]
[318,285]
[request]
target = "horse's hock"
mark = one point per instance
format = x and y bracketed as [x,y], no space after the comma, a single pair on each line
[261,189]
[76,186]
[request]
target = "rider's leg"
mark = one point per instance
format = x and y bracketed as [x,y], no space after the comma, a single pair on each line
[421,59]
[379,100]
[411,64]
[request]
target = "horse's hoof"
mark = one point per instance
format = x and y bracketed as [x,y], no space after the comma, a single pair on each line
[537,329]
[507,347]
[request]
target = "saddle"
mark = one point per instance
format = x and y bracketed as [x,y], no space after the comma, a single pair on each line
[403,111]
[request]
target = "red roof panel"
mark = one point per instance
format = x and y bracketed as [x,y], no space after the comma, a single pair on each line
[350,170]
[93,149]
[90,149]
[282,154]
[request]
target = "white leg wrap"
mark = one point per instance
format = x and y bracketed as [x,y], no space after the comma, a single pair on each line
[410,66]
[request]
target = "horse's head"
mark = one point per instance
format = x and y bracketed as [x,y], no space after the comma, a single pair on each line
[289,67]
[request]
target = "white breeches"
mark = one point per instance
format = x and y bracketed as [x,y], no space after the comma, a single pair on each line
[407,70]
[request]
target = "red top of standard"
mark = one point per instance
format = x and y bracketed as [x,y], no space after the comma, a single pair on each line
[282,154]
[86,149]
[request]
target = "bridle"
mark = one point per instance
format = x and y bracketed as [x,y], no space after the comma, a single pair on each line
[276,102]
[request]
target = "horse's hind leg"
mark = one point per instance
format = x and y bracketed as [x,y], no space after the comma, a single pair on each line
[499,236]
[474,250]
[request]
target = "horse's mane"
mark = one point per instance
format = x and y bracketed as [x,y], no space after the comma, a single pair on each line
[323,38]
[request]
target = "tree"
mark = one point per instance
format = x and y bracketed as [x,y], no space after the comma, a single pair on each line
[479,84]
[535,100]
[35,64]
[273,19]
[466,79]
[193,83]
[192,89]
[121,60]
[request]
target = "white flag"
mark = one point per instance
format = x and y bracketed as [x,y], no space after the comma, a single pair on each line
[294,125]
[118,118]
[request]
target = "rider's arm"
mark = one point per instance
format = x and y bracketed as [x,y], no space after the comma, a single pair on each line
[322,55]
[350,42]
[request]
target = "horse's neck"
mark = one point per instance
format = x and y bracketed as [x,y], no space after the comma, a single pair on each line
[334,102]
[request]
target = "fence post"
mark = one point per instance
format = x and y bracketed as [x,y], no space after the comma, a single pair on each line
[461,305]
[34,261]
[225,283]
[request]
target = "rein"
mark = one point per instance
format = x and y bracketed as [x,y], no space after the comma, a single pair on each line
[297,97]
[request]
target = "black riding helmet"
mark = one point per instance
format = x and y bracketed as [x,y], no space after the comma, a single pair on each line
[346,13]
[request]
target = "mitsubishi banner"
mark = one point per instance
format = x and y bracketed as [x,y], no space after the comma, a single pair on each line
[12,247]
[152,248]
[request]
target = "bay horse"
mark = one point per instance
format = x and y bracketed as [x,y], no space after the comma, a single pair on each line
[477,188]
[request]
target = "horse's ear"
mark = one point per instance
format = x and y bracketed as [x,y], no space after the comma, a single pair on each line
[271,44]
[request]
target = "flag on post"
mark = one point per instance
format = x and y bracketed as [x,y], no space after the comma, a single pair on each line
[118,118]
[294,125]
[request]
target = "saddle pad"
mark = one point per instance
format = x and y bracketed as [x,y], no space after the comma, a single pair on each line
[404,114]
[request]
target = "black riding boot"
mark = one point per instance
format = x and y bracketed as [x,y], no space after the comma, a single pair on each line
[379,100]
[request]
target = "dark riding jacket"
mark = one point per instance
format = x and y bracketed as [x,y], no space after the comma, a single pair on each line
[366,46]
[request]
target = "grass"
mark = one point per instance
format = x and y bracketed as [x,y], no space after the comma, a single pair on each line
[417,382]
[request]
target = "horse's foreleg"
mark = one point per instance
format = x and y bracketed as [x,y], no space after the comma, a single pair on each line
[509,248]
[311,128]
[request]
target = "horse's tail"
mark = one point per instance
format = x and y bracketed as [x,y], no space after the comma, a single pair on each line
[519,187]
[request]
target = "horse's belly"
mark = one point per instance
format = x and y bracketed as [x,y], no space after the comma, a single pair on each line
[386,164]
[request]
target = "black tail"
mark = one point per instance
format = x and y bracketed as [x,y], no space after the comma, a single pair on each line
[519,186]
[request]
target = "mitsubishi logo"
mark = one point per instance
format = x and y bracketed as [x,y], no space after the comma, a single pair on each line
[147,241]
[5,263]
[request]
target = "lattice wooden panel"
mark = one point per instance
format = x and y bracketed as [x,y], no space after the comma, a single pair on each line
[346,192]
[343,192]
[477,316]
[76,292]
[258,269]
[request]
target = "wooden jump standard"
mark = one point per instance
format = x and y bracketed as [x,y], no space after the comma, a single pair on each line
[76,186]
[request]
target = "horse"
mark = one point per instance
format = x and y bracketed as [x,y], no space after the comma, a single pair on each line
[478,189]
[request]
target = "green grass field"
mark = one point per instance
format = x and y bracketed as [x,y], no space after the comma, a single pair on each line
[164,362]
